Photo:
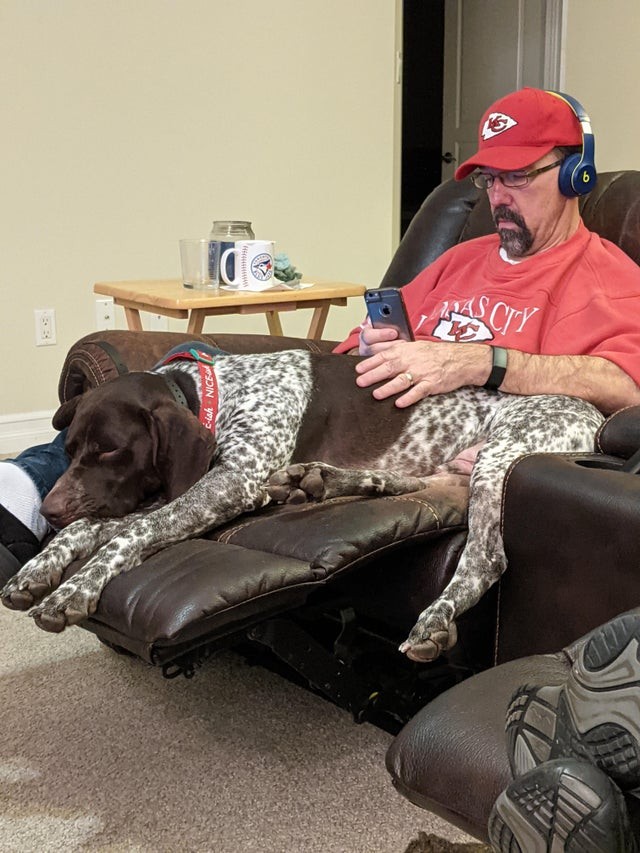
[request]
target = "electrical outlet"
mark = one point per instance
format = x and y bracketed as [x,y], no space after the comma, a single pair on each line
[105,314]
[45,326]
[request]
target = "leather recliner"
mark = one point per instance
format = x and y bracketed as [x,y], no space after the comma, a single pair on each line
[333,609]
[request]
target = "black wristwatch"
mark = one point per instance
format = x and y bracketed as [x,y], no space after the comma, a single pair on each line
[498,369]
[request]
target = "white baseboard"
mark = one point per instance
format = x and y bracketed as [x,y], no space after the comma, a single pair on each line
[17,432]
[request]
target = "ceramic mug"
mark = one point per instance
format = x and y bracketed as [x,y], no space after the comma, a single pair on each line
[253,265]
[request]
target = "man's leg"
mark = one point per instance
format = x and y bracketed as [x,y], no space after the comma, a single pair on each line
[24,483]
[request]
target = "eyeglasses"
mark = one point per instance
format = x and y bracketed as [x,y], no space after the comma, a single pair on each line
[484,180]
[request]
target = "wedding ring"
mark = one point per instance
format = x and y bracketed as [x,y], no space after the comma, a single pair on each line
[408,377]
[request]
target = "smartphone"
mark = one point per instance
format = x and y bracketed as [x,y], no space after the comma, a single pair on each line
[386,308]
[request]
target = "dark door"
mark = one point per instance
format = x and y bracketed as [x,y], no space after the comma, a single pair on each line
[422,81]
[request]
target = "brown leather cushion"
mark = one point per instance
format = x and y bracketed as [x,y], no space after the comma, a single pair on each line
[270,561]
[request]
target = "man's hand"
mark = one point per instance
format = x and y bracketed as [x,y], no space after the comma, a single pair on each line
[375,340]
[419,369]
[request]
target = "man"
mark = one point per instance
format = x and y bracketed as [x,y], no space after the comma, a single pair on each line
[561,300]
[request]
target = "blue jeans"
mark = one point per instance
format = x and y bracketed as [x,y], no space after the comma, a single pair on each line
[44,463]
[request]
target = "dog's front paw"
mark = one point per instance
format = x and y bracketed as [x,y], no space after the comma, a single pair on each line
[15,598]
[34,580]
[434,632]
[68,605]
[297,484]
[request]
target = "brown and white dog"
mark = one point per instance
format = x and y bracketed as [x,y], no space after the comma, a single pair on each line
[289,426]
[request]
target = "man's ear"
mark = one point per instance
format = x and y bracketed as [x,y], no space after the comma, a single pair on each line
[63,417]
[183,448]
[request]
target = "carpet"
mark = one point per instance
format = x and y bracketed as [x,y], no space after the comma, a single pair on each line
[434,844]
[101,754]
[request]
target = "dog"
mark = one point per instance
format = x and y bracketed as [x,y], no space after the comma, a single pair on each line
[224,438]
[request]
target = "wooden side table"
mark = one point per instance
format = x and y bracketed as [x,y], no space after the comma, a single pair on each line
[171,299]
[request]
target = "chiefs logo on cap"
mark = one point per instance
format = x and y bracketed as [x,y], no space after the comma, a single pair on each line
[497,123]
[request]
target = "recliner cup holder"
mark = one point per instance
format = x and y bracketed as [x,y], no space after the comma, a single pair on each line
[611,463]
[606,464]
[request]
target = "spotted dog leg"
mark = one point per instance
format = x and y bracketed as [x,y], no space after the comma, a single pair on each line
[481,562]
[317,481]
[43,572]
[523,425]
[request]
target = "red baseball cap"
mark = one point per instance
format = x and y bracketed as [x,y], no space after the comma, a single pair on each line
[521,128]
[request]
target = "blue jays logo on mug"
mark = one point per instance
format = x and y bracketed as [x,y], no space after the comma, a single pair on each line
[262,267]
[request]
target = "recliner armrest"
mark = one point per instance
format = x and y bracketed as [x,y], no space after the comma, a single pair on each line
[568,523]
[619,435]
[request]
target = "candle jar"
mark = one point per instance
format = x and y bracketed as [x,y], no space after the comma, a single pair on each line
[224,234]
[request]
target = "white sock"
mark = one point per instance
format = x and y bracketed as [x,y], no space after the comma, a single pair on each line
[19,495]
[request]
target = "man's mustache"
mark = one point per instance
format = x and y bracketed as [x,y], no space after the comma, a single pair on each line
[505,213]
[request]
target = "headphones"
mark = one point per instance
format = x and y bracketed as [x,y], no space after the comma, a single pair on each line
[577,174]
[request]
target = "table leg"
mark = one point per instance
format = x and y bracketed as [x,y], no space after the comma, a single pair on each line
[134,323]
[318,319]
[196,322]
[274,324]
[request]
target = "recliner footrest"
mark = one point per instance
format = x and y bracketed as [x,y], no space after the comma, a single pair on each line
[263,564]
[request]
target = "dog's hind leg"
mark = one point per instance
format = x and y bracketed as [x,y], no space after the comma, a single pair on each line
[524,425]
[317,481]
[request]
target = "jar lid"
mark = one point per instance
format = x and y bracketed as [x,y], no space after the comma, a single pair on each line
[232,222]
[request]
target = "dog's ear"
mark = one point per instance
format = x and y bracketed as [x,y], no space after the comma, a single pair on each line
[183,448]
[63,417]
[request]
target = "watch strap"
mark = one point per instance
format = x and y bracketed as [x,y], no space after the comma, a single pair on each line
[498,368]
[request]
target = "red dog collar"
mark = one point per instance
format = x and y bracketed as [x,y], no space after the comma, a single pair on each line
[208,385]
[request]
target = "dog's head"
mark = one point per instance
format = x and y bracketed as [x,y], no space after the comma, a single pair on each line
[128,440]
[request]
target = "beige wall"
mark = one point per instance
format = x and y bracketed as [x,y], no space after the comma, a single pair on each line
[602,69]
[127,124]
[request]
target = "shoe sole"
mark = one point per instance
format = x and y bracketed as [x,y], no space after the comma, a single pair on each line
[594,716]
[563,806]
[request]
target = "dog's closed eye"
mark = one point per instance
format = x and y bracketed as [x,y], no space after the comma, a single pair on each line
[111,455]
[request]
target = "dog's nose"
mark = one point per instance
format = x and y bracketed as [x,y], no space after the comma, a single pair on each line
[58,511]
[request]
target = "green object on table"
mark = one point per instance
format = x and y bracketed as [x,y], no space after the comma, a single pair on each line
[284,269]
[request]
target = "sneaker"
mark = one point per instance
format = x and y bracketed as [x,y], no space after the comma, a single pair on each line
[562,806]
[594,715]
[17,544]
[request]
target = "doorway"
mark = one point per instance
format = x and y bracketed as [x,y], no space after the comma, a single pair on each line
[422,95]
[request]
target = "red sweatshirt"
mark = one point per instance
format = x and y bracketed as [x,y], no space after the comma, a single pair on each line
[579,298]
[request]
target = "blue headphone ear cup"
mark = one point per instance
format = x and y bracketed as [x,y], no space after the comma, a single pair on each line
[584,180]
[565,175]
[577,175]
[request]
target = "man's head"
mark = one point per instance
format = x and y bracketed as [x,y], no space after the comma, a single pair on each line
[519,129]
[523,142]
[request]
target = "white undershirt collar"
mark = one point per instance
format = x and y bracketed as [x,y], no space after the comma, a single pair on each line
[506,257]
